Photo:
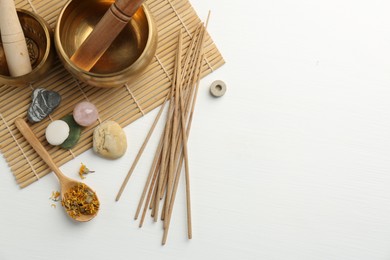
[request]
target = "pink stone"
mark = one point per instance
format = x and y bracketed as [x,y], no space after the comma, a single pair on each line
[85,113]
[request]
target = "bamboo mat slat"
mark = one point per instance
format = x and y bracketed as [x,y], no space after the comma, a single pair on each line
[123,105]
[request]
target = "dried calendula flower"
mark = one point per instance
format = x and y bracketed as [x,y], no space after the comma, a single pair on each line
[84,170]
[55,196]
[80,200]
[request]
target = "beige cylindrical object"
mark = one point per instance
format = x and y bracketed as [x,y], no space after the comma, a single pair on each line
[14,43]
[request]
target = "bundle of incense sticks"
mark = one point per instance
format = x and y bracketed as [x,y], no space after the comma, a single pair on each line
[163,179]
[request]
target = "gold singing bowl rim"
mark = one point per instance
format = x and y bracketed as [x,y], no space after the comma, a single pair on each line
[111,79]
[44,65]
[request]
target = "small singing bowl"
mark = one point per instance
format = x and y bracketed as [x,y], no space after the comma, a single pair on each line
[39,38]
[125,59]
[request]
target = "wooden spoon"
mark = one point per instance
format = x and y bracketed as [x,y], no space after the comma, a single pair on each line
[65,182]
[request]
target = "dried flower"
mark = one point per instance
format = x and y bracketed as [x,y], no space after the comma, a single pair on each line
[84,170]
[55,196]
[80,200]
[53,205]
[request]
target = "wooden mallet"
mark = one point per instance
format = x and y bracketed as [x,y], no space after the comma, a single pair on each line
[104,33]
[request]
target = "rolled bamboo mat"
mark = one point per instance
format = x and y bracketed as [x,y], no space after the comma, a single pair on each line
[123,105]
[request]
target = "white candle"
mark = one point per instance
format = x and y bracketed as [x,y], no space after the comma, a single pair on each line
[14,43]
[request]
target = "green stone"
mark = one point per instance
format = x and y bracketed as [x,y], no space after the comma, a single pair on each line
[74,134]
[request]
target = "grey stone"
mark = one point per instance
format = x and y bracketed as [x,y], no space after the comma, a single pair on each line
[43,103]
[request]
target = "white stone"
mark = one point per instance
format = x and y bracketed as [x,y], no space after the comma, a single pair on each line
[57,132]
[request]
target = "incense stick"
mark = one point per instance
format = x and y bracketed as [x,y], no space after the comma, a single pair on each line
[172,151]
[174,123]
[141,150]
[139,154]
[196,80]
[148,198]
[154,165]
[165,148]
[185,150]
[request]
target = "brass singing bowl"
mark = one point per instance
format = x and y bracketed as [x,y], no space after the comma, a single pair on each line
[126,58]
[39,37]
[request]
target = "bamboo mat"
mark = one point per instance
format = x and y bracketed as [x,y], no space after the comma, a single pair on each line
[123,105]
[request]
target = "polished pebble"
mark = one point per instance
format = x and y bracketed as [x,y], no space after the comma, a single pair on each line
[42,104]
[74,133]
[57,132]
[109,140]
[85,113]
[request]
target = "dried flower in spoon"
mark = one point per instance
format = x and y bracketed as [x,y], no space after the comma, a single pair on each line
[80,200]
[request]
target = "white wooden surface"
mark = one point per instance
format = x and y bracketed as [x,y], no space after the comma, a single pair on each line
[292,163]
